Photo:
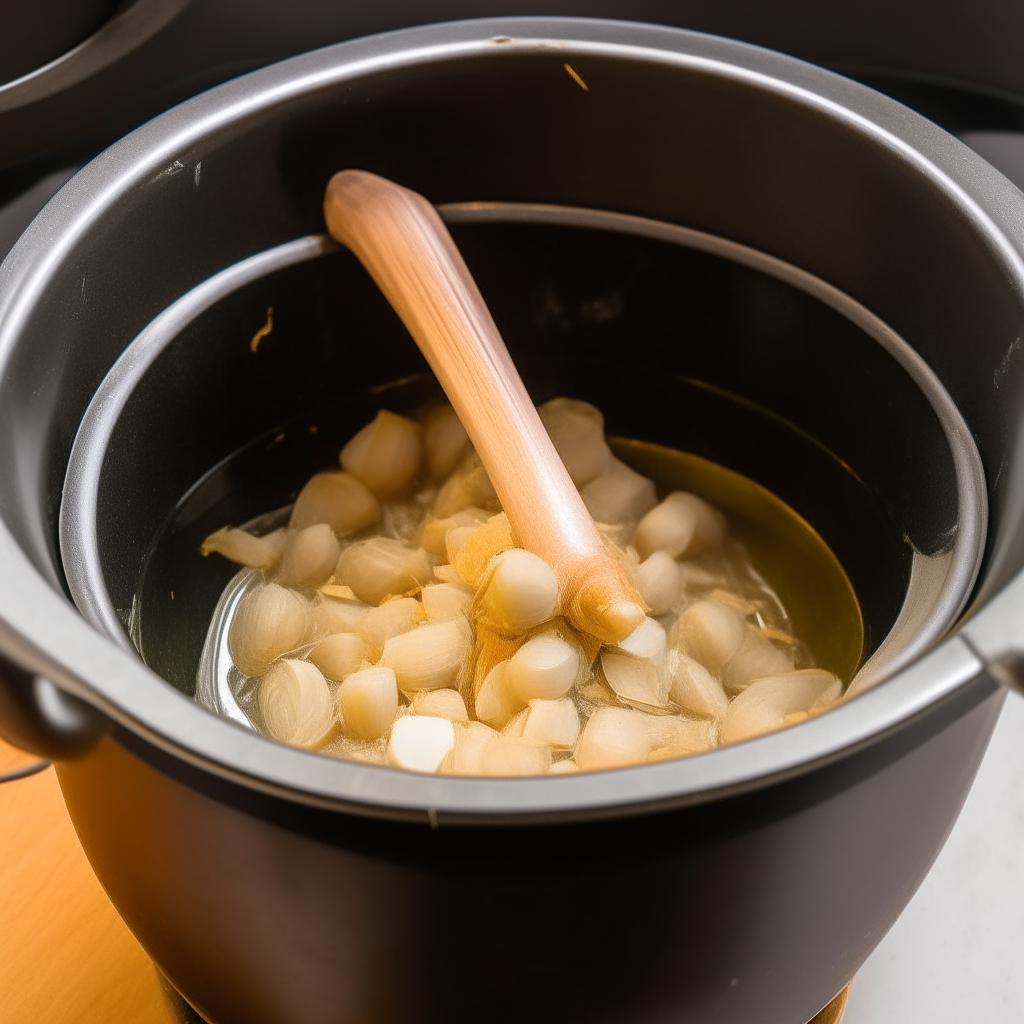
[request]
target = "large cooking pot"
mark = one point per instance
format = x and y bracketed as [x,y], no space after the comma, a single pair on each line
[732,252]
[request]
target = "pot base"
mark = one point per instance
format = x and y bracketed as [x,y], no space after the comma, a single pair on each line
[832,1014]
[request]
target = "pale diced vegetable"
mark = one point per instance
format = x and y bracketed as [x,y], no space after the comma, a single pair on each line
[555,722]
[445,601]
[520,593]
[613,738]
[381,567]
[309,557]
[386,455]
[694,688]
[270,621]
[545,667]
[428,657]
[434,535]
[368,702]
[496,702]
[470,550]
[471,741]
[444,441]
[513,755]
[635,680]
[619,495]
[659,581]
[339,655]
[682,524]
[756,657]
[419,743]
[576,430]
[244,548]
[336,614]
[440,704]
[710,632]
[765,703]
[468,487]
[675,736]
[337,499]
[295,703]
[648,641]
[393,618]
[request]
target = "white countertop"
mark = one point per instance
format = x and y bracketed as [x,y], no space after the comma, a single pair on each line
[956,956]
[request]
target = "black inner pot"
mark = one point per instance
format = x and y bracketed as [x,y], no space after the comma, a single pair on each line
[676,346]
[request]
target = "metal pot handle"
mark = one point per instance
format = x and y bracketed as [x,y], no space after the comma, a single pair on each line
[38,716]
[996,635]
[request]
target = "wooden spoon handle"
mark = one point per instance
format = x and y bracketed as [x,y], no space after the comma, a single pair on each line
[403,243]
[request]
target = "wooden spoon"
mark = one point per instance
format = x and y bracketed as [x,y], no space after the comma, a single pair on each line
[403,243]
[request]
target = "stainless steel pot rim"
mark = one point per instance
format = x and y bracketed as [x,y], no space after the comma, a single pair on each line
[930,610]
[45,633]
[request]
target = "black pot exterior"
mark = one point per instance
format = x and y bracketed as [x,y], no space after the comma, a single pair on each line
[740,886]
[751,910]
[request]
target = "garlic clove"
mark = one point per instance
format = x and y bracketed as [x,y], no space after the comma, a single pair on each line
[335,615]
[576,430]
[545,667]
[613,738]
[381,567]
[756,657]
[659,582]
[682,524]
[269,621]
[648,641]
[444,601]
[419,743]
[245,549]
[309,557]
[430,656]
[434,535]
[675,736]
[468,487]
[521,592]
[391,619]
[554,722]
[440,704]
[694,688]
[635,680]
[447,574]
[337,499]
[444,441]
[339,655]
[466,756]
[597,691]
[619,495]
[470,550]
[565,767]
[764,705]
[495,701]
[515,725]
[367,702]
[511,755]
[386,454]
[710,632]
[295,703]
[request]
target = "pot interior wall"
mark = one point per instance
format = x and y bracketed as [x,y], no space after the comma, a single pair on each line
[689,145]
[676,346]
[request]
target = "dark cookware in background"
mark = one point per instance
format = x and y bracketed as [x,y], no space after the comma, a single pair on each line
[273,885]
[75,74]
